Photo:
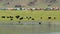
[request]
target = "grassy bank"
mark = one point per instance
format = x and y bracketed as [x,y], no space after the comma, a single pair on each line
[37,15]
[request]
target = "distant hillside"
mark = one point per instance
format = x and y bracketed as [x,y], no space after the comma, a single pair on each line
[30,3]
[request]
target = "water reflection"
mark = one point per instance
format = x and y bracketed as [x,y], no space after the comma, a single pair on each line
[51,33]
[43,28]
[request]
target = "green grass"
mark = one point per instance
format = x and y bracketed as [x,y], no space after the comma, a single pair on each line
[34,14]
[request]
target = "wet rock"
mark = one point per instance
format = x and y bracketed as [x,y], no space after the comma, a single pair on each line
[17,16]
[3,16]
[49,17]
[21,18]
